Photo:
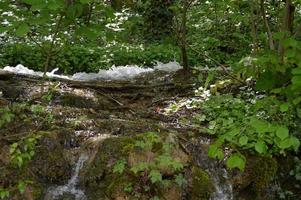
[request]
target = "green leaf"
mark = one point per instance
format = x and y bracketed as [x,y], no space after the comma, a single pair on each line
[286,143]
[142,166]
[282,132]
[260,147]
[259,125]
[180,180]
[295,143]
[21,187]
[266,81]
[22,30]
[53,5]
[296,81]
[297,100]
[119,166]
[296,71]
[236,160]
[243,140]
[215,152]
[155,176]
[284,107]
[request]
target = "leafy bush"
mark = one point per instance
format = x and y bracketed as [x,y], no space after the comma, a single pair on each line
[78,58]
[266,126]
[150,171]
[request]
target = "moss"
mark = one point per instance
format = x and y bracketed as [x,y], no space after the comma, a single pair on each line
[117,184]
[49,163]
[263,170]
[253,182]
[111,149]
[97,175]
[202,186]
[73,100]
[37,190]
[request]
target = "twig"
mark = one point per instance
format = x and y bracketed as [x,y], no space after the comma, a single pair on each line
[109,97]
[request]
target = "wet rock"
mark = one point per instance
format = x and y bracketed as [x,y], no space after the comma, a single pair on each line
[49,164]
[4,75]
[137,156]
[201,185]
[97,175]
[10,91]
[72,100]
[253,182]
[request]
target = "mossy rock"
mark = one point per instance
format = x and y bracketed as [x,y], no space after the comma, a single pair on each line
[173,192]
[36,190]
[116,186]
[49,164]
[96,176]
[253,182]
[4,75]
[202,185]
[72,100]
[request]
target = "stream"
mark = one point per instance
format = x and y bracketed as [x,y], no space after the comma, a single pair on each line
[69,190]
[113,108]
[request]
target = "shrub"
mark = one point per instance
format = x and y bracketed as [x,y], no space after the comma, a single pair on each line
[78,58]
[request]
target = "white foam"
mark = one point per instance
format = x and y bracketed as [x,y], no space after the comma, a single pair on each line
[20,69]
[168,67]
[71,186]
[115,73]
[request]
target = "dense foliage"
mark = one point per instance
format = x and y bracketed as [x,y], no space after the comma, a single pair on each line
[257,43]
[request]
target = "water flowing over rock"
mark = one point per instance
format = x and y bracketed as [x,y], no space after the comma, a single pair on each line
[102,117]
[217,172]
[70,189]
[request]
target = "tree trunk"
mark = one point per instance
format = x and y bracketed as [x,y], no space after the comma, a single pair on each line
[184,58]
[254,27]
[287,27]
[47,61]
[266,25]
[183,37]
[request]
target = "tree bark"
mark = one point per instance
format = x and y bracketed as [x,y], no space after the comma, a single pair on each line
[287,27]
[183,36]
[254,27]
[266,25]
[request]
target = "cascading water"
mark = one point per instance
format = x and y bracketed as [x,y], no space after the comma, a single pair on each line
[223,189]
[218,174]
[70,190]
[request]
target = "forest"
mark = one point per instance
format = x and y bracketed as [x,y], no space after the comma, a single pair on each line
[150,99]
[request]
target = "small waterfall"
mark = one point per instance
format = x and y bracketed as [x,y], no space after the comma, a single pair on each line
[218,174]
[69,189]
[223,189]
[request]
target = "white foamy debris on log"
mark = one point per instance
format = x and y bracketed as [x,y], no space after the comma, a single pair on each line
[20,69]
[115,73]
[125,72]
[168,67]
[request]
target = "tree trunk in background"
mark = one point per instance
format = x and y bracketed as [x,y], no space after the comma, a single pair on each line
[253,17]
[183,36]
[158,20]
[287,27]
[266,25]
[184,59]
